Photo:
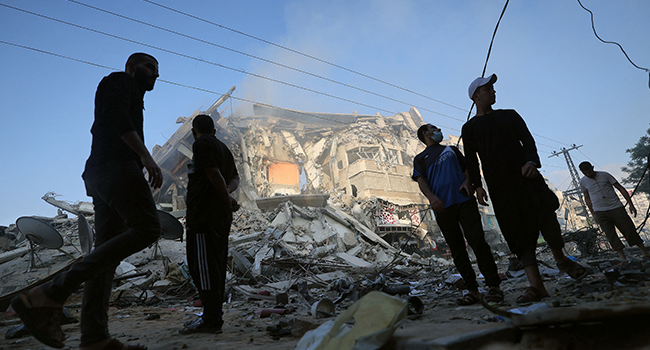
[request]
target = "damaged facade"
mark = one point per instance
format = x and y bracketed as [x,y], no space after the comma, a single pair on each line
[352,157]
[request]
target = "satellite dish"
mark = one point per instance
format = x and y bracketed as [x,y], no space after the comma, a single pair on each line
[171,227]
[39,232]
[86,235]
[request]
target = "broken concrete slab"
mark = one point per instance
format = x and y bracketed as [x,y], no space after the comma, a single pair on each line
[303,200]
[353,260]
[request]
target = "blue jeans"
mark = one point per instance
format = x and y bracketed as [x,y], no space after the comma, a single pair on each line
[126,221]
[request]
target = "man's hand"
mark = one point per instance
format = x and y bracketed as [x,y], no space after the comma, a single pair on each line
[154,171]
[466,188]
[632,209]
[481,196]
[436,204]
[234,205]
[529,170]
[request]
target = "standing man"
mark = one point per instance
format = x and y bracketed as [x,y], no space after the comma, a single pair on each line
[212,178]
[523,203]
[126,219]
[607,209]
[442,176]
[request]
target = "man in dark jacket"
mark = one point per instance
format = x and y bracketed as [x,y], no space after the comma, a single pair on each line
[126,219]
[523,203]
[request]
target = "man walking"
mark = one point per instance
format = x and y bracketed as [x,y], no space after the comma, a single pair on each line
[607,209]
[442,177]
[523,203]
[212,178]
[126,219]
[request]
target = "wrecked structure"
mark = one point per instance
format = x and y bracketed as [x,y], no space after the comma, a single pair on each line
[353,158]
[288,152]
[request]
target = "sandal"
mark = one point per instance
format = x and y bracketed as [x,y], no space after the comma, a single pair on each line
[467,299]
[531,295]
[44,323]
[575,270]
[494,295]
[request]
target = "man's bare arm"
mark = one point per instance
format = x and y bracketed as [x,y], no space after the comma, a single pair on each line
[217,180]
[589,205]
[435,202]
[134,141]
[627,197]
[233,184]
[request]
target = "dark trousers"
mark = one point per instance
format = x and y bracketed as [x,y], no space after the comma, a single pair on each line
[126,221]
[467,215]
[518,224]
[552,232]
[609,220]
[207,254]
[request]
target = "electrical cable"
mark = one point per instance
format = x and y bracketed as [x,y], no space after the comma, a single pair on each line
[262,59]
[592,162]
[301,53]
[167,81]
[593,27]
[201,60]
[241,70]
[494,34]
[469,114]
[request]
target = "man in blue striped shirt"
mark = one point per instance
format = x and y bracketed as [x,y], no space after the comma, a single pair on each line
[442,177]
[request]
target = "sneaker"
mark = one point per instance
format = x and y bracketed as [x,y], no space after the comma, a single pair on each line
[200,326]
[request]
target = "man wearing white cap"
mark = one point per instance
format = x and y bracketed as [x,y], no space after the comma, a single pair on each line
[522,201]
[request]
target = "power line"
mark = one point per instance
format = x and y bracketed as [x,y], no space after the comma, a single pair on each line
[214,63]
[263,59]
[301,53]
[201,60]
[165,81]
[593,27]
[592,162]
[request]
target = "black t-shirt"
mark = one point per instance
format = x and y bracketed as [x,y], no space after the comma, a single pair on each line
[203,205]
[118,110]
[504,144]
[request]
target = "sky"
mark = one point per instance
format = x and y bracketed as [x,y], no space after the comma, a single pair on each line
[367,56]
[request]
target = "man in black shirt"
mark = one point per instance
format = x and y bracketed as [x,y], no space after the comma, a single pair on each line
[126,219]
[523,203]
[212,178]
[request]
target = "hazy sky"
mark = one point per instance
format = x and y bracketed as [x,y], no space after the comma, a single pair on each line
[568,86]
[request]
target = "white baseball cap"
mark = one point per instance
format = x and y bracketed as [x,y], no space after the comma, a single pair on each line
[478,82]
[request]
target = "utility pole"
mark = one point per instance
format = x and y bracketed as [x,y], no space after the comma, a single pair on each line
[575,178]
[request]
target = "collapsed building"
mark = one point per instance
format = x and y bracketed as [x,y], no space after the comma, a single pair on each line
[295,154]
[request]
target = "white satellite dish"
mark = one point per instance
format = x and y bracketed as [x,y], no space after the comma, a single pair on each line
[86,235]
[38,233]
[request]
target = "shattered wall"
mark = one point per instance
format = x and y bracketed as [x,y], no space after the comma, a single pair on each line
[286,152]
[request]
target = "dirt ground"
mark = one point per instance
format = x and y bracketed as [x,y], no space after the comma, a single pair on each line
[243,330]
[157,324]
